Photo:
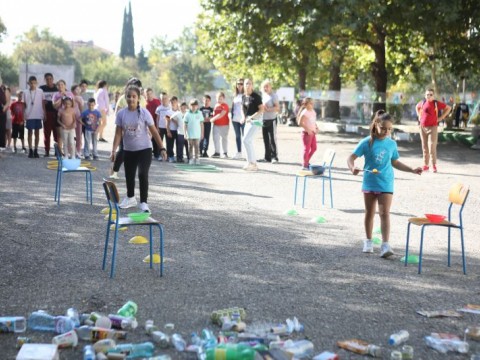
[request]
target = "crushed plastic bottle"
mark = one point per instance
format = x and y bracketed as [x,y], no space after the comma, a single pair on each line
[134,351]
[299,348]
[445,345]
[122,322]
[42,321]
[102,346]
[15,324]
[72,313]
[231,352]
[93,334]
[179,343]
[398,338]
[208,339]
[326,355]
[161,339]
[150,327]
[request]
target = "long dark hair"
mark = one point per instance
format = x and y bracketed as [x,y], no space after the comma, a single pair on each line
[137,90]
[303,105]
[236,86]
[380,116]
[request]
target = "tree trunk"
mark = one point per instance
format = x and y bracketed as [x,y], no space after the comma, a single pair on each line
[379,72]
[332,110]
[302,72]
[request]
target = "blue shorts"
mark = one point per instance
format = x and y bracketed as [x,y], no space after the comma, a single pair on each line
[34,124]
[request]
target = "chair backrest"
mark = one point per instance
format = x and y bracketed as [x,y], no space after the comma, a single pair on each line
[111,192]
[458,194]
[328,158]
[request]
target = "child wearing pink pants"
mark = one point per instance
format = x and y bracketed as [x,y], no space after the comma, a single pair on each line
[307,118]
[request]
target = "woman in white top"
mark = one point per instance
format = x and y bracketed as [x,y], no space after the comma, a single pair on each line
[237,117]
[102,102]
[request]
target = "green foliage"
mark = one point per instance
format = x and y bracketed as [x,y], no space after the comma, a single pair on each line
[112,69]
[8,70]
[3,29]
[142,61]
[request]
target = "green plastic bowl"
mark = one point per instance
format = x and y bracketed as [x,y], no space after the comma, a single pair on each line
[412,259]
[139,217]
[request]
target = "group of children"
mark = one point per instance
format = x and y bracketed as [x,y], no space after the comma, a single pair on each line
[29,111]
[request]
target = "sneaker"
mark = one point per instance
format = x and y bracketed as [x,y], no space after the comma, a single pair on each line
[35,154]
[385,250]
[79,156]
[225,156]
[191,162]
[216,155]
[114,176]
[197,161]
[367,246]
[102,140]
[434,168]
[425,168]
[95,157]
[30,153]
[158,158]
[87,157]
[15,150]
[237,156]
[144,207]
[24,150]
[204,155]
[262,160]
[128,203]
[47,154]
[171,160]
[275,161]
[251,167]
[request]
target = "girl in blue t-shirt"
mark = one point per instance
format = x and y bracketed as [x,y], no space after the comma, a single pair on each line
[381,156]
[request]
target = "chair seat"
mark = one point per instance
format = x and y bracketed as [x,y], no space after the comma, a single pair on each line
[424,221]
[303,173]
[80,168]
[127,221]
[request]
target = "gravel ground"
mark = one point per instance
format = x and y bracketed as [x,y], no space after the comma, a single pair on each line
[229,243]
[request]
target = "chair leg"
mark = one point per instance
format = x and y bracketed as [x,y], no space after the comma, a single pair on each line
[295,191]
[91,190]
[59,188]
[56,186]
[448,247]
[331,191]
[106,245]
[161,249]
[463,253]
[304,191]
[406,245]
[323,190]
[151,247]
[114,251]
[421,251]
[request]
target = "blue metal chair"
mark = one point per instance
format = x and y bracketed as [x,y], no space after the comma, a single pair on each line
[62,170]
[326,176]
[458,195]
[114,218]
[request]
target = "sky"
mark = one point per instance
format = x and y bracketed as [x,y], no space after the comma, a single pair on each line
[97,20]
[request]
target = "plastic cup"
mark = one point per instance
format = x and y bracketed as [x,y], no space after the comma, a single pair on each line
[66,340]
[103,322]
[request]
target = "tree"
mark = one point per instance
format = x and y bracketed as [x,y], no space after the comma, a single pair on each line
[127,47]
[142,60]
[3,29]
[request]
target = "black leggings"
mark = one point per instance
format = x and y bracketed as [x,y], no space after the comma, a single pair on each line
[268,131]
[117,163]
[137,159]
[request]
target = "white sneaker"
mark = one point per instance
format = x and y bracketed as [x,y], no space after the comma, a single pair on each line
[197,161]
[386,251]
[144,207]
[274,161]
[368,246]
[225,156]
[128,203]
[114,176]
[191,162]
[237,156]
[251,167]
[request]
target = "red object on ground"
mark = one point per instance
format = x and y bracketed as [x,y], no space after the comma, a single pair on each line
[435,218]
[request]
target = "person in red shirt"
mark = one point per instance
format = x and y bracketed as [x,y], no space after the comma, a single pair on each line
[220,122]
[152,104]
[427,112]
[18,121]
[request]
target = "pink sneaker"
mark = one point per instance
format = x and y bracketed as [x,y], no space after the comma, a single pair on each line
[425,168]
[434,168]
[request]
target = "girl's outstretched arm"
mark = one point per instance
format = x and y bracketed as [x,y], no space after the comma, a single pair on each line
[402,167]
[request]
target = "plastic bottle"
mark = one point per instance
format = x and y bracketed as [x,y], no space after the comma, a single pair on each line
[129,309]
[208,338]
[299,349]
[72,313]
[195,339]
[150,327]
[16,324]
[122,322]
[445,345]
[398,338]
[91,333]
[179,343]
[375,351]
[88,353]
[41,321]
[396,355]
[161,339]
[407,352]
[231,352]
[134,351]
[102,346]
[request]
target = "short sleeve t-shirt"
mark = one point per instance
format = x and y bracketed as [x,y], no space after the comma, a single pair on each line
[311,118]
[237,113]
[18,112]
[428,113]
[223,121]
[207,112]
[193,120]
[251,103]
[48,93]
[34,102]
[269,100]
[378,156]
[91,118]
[178,116]
[162,111]
[135,128]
